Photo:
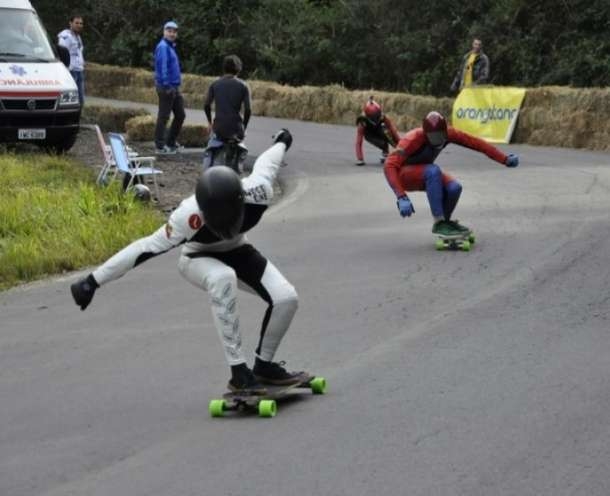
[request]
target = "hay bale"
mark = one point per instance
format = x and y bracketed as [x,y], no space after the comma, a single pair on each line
[143,129]
[551,116]
[194,100]
[259,107]
[567,117]
[197,85]
[110,119]
[194,135]
[102,80]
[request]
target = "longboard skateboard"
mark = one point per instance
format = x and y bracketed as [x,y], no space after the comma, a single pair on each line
[265,404]
[462,242]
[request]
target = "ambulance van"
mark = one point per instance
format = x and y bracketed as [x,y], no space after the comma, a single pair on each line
[38,96]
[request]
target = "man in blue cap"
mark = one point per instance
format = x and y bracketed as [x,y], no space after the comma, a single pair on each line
[167,82]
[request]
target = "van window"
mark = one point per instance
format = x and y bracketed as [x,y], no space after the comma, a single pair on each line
[22,37]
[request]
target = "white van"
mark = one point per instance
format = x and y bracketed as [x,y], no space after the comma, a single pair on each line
[38,96]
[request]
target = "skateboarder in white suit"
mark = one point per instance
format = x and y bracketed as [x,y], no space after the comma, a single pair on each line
[216,257]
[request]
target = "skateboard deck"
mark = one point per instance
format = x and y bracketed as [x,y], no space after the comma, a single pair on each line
[265,404]
[462,242]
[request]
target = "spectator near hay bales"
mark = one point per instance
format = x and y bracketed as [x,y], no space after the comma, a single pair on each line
[70,38]
[168,79]
[229,94]
[377,129]
[474,68]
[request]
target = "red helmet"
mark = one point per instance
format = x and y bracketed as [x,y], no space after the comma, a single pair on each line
[435,128]
[372,110]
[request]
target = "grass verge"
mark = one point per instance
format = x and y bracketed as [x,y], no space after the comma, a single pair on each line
[53,218]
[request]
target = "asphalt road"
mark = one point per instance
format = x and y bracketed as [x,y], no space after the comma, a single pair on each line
[450,373]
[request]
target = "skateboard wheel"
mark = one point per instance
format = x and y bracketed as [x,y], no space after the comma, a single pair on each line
[318,385]
[465,245]
[440,244]
[472,238]
[267,408]
[217,408]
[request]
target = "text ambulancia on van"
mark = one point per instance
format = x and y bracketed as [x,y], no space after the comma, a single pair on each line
[38,96]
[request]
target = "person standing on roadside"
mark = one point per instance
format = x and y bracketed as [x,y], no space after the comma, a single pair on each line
[474,68]
[167,82]
[70,38]
[229,94]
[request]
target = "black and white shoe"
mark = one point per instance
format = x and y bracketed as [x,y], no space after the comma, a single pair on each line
[243,381]
[274,373]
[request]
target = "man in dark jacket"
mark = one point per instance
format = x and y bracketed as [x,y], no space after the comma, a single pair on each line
[229,94]
[167,82]
[474,68]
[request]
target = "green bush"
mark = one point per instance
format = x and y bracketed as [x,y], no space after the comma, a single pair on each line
[386,45]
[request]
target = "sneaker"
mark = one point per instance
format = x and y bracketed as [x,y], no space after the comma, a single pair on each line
[166,150]
[243,381]
[275,373]
[177,148]
[444,228]
[463,229]
[384,155]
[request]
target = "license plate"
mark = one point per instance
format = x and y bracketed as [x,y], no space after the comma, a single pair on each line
[32,134]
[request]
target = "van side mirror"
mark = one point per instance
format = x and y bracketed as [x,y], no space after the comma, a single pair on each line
[64,55]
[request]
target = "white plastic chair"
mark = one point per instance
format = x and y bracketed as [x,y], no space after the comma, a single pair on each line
[132,165]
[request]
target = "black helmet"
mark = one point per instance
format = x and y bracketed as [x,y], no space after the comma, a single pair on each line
[142,192]
[220,196]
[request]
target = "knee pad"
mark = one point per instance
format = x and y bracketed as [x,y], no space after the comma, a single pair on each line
[432,173]
[288,298]
[453,188]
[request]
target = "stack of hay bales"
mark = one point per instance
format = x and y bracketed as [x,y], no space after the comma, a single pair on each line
[110,119]
[561,116]
[142,128]
[332,104]
[551,116]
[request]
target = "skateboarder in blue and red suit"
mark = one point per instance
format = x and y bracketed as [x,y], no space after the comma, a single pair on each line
[412,167]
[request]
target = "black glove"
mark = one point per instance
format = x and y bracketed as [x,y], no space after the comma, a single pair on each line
[283,136]
[83,291]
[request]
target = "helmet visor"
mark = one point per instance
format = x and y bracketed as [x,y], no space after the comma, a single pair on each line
[436,138]
[224,219]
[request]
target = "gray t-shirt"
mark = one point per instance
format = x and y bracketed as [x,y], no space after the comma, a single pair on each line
[228,93]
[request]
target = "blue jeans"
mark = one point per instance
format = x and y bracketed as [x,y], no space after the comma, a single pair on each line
[79,79]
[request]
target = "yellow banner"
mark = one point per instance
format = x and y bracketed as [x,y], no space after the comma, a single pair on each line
[489,112]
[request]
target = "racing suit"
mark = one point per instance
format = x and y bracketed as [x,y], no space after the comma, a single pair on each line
[411,167]
[219,266]
[381,134]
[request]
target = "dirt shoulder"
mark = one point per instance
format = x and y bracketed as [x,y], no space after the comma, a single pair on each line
[180,171]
